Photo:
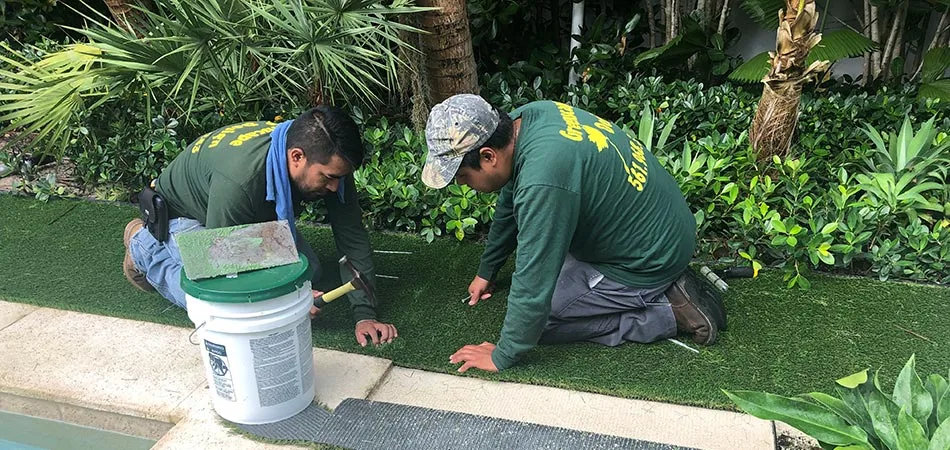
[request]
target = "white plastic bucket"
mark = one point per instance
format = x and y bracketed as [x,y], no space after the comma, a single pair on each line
[258,356]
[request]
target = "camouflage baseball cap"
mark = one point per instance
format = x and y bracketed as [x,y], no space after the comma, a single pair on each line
[457,125]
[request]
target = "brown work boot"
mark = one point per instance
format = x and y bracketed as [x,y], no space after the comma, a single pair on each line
[132,273]
[697,306]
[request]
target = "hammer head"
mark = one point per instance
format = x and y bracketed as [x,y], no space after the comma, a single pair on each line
[358,281]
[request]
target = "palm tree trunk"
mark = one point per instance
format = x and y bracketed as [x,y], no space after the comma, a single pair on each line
[777,113]
[449,61]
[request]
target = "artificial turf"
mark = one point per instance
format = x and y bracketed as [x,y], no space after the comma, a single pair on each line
[67,254]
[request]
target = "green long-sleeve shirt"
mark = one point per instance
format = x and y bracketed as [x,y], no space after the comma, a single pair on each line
[580,185]
[220,180]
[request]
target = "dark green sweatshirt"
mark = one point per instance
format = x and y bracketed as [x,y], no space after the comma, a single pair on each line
[220,180]
[580,185]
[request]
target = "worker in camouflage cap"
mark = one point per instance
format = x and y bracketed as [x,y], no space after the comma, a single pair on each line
[603,233]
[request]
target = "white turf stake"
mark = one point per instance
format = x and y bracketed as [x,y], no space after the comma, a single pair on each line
[392,252]
[683,345]
[386,276]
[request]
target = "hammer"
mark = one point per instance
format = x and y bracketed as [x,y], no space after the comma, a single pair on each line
[356,283]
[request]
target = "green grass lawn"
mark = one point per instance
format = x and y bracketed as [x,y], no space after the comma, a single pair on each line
[67,254]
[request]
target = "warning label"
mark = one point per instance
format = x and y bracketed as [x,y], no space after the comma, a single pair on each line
[221,369]
[276,367]
[305,346]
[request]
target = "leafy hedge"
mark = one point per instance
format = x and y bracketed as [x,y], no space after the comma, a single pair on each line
[832,206]
[827,208]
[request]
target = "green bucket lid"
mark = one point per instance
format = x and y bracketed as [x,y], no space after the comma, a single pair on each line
[252,286]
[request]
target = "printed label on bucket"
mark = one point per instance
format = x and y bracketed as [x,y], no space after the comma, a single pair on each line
[221,369]
[276,367]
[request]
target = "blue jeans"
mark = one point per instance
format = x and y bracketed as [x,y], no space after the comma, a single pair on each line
[161,262]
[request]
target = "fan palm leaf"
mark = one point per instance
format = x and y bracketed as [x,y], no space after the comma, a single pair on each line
[834,46]
[212,54]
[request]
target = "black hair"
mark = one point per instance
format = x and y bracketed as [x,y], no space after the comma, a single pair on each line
[499,139]
[325,131]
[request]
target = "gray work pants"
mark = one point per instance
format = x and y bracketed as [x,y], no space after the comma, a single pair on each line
[587,306]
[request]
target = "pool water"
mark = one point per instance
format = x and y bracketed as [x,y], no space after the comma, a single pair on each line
[20,432]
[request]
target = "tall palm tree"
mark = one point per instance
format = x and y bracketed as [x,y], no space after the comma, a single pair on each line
[449,60]
[777,113]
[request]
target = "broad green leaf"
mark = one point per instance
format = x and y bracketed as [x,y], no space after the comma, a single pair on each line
[940,440]
[854,400]
[645,133]
[837,405]
[809,418]
[935,89]
[883,414]
[753,70]
[778,225]
[936,63]
[665,134]
[855,447]
[943,408]
[937,386]
[829,228]
[854,380]
[909,393]
[910,435]
[840,44]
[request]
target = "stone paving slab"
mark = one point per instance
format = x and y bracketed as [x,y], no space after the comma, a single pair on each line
[341,375]
[12,312]
[650,421]
[122,366]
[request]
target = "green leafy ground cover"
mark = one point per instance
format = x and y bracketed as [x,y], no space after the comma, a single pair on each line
[67,254]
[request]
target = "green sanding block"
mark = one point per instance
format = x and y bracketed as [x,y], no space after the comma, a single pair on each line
[214,252]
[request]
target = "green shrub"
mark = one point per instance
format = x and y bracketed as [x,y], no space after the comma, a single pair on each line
[915,415]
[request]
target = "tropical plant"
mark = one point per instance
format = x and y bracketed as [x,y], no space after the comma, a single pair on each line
[648,125]
[915,415]
[909,153]
[211,56]
[891,194]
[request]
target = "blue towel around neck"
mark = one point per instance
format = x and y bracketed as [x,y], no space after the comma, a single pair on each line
[278,177]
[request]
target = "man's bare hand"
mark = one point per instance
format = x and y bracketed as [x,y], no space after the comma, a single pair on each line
[379,333]
[475,356]
[314,311]
[479,289]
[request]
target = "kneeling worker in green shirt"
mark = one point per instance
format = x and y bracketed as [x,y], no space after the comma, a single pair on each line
[602,231]
[255,172]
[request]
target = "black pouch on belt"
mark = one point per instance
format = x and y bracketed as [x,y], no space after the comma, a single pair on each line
[154,213]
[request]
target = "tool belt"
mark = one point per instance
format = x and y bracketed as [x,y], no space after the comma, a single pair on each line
[154,213]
